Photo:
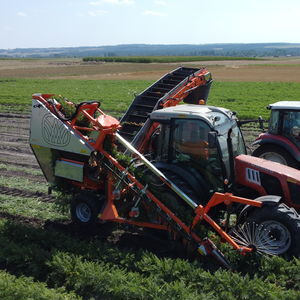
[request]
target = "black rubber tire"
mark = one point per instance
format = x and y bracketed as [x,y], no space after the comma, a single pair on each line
[290,161]
[280,215]
[85,208]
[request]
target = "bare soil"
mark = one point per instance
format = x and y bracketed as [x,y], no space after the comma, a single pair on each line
[275,69]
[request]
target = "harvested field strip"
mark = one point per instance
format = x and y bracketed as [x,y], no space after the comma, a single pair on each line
[25,193]
[95,269]
[17,125]
[21,183]
[17,132]
[11,136]
[15,147]
[12,162]
[18,158]
[8,108]
[16,173]
[18,219]
[28,171]
[14,116]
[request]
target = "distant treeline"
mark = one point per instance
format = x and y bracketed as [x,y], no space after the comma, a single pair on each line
[137,50]
[163,59]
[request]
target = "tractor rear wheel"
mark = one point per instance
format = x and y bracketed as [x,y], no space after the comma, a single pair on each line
[273,230]
[276,154]
[85,208]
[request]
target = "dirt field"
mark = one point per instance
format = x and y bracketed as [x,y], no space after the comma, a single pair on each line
[276,69]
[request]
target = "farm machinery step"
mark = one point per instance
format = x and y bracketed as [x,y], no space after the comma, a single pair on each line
[85,161]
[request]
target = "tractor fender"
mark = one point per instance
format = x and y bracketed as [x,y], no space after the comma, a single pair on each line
[268,200]
[282,142]
[195,181]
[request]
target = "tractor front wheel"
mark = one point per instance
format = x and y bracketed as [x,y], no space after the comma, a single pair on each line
[276,154]
[85,208]
[273,230]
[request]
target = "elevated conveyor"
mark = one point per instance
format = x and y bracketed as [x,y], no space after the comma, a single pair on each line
[160,94]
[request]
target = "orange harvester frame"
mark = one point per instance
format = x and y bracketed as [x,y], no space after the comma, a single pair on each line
[107,126]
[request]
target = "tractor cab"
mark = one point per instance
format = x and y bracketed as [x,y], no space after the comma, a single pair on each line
[198,142]
[282,141]
[285,120]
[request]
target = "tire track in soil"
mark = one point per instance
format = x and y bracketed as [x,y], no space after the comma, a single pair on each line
[35,222]
[11,137]
[15,173]
[23,165]
[15,147]
[26,194]
[14,116]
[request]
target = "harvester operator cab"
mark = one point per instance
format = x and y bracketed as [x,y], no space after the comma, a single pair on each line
[199,139]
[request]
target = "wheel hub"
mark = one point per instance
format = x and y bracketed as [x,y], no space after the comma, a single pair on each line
[280,237]
[83,212]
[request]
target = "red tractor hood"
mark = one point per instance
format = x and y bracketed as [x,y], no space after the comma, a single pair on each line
[246,161]
[267,177]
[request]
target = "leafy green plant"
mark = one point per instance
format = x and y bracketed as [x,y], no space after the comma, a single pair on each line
[12,288]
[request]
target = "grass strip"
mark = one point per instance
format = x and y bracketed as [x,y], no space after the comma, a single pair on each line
[36,172]
[23,183]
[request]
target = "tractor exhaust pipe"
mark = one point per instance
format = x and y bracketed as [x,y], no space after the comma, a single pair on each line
[231,159]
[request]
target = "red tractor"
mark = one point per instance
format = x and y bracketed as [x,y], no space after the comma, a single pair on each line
[186,166]
[282,141]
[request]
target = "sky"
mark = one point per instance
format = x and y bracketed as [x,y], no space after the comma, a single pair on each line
[73,23]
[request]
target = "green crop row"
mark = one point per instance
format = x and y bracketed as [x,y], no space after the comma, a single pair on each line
[114,95]
[248,99]
[12,288]
[93,269]
[30,207]
[163,59]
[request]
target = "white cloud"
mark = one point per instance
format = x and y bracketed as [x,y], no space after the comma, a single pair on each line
[21,14]
[161,3]
[96,3]
[96,13]
[118,2]
[154,13]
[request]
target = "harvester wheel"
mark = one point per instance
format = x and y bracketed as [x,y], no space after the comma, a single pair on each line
[85,208]
[273,230]
[276,154]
